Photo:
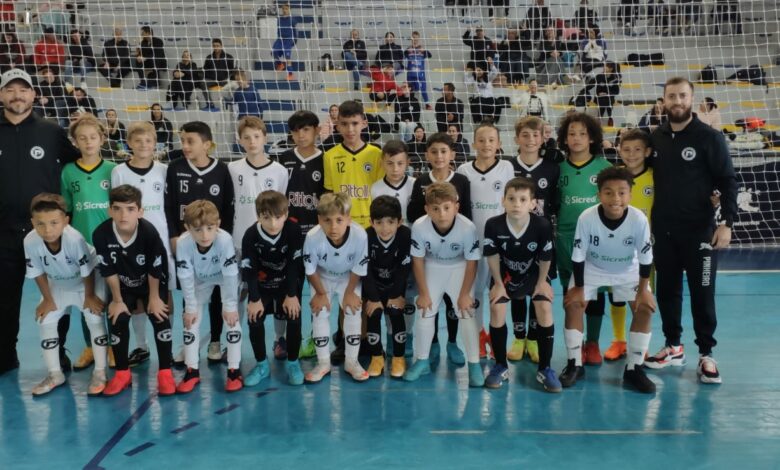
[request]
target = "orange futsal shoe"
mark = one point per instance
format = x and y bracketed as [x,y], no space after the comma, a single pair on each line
[120,381]
[615,351]
[591,355]
[165,383]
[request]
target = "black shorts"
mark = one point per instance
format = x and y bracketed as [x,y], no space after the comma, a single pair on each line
[272,303]
[520,289]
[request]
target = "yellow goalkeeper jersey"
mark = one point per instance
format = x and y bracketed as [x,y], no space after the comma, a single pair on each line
[354,173]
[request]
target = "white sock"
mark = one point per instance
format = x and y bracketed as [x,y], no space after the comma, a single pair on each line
[409,319]
[352,324]
[280,328]
[50,345]
[139,322]
[468,328]
[573,339]
[192,343]
[637,348]
[320,330]
[97,333]
[233,336]
[424,329]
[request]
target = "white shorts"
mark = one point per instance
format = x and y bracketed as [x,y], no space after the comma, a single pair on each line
[621,291]
[445,280]
[64,298]
[337,287]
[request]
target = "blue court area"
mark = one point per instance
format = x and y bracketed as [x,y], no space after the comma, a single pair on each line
[437,422]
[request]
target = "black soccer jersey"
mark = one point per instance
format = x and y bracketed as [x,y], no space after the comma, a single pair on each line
[186,183]
[272,265]
[520,253]
[132,261]
[389,265]
[545,173]
[304,187]
[416,208]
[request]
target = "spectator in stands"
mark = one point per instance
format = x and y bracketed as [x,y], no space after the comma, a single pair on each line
[449,110]
[49,93]
[586,18]
[355,57]
[549,62]
[416,146]
[383,86]
[163,128]
[116,59]
[550,148]
[659,16]
[481,46]
[246,98]
[653,118]
[727,13]
[484,106]
[460,145]
[710,114]
[496,6]
[539,18]
[514,59]
[150,61]
[82,59]
[390,52]
[80,102]
[219,66]
[184,79]
[607,88]
[49,50]
[629,14]
[416,55]
[286,37]
[328,126]
[52,15]
[593,51]
[533,103]
[407,112]
[116,133]
[688,12]
[13,54]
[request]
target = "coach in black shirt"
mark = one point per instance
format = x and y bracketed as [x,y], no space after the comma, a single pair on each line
[449,110]
[691,161]
[32,152]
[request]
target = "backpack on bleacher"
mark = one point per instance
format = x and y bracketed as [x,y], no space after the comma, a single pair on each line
[326,63]
[708,75]
[754,74]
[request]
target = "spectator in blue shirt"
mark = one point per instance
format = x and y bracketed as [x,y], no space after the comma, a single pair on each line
[287,35]
[246,98]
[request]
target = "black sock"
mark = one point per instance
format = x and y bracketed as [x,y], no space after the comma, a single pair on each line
[293,338]
[546,338]
[215,315]
[519,309]
[452,320]
[435,329]
[257,338]
[398,325]
[374,333]
[63,325]
[121,331]
[533,325]
[162,338]
[498,342]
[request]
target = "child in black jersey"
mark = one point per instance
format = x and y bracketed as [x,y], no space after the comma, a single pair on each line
[519,248]
[198,176]
[133,260]
[272,267]
[384,287]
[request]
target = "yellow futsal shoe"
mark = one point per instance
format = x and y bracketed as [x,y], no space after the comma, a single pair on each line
[398,367]
[517,350]
[85,359]
[532,348]
[377,366]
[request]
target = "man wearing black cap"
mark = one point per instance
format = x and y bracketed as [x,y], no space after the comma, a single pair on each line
[32,152]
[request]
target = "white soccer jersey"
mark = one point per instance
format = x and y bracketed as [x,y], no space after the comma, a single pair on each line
[487,190]
[151,183]
[248,183]
[320,256]
[445,249]
[403,192]
[64,269]
[198,271]
[612,254]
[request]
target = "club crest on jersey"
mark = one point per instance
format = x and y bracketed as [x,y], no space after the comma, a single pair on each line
[532,246]
[350,258]
[215,259]
[214,189]
[628,241]
[140,260]
[455,246]
[647,190]
[688,154]
[367,167]
[592,179]
[268,183]
[316,175]
[542,183]
[157,187]
[497,186]
[104,185]
[37,152]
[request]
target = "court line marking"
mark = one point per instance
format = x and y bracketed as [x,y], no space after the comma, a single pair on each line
[266,392]
[94,464]
[186,427]
[139,449]
[574,432]
[749,271]
[227,409]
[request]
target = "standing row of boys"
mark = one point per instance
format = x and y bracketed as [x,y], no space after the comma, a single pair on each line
[355,226]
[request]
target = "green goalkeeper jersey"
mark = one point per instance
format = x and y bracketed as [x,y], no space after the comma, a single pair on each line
[577,191]
[86,195]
